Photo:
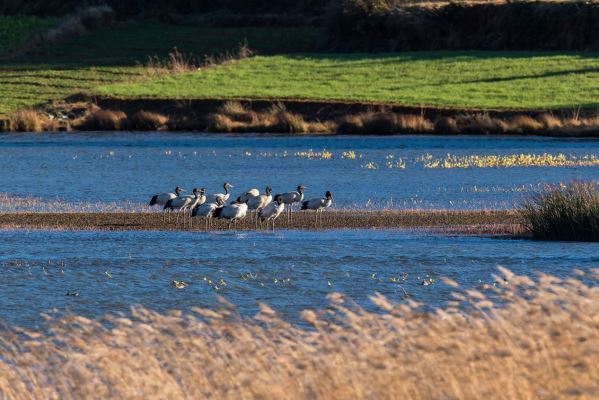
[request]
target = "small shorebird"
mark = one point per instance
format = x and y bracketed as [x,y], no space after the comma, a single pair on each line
[318,205]
[272,211]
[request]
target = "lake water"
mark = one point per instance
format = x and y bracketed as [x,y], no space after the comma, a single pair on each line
[289,270]
[107,171]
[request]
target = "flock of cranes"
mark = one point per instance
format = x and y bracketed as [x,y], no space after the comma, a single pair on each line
[265,207]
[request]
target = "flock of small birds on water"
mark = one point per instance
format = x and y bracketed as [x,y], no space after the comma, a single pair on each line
[265,207]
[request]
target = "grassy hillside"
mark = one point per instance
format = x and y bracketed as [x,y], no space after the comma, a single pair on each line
[454,79]
[114,54]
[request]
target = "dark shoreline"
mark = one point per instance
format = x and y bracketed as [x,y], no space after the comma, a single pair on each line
[451,222]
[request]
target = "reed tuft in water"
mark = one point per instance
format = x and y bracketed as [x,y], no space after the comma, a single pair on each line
[564,212]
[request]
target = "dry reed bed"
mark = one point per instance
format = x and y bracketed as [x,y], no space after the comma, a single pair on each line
[533,340]
[294,117]
[475,222]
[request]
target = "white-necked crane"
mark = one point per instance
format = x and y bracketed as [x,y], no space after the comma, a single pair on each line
[291,198]
[181,203]
[163,198]
[232,212]
[272,211]
[207,211]
[257,203]
[224,196]
[318,205]
[245,196]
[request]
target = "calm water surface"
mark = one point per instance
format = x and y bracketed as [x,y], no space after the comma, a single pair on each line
[289,270]
[115,170]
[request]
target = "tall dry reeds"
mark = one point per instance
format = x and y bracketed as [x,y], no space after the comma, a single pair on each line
[26,121]
[564,212]
[513,339]
[102,120]
[234,116]
[147,121]
[177,61]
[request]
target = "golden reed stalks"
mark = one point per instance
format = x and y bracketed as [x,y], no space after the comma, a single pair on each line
[539,340]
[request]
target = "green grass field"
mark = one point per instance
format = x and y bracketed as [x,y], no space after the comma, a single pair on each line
[107,62]
[14,30]
[466,80]
[113,55]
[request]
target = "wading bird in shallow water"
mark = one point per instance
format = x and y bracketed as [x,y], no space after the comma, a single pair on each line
[272,211]
[163,198]
[224,196]
[207,210]
[291,198]
[318,205]
[181,204]
[257,203]
[198,198]
[232,212]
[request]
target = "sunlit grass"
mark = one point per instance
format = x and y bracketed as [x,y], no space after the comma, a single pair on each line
[515,339]
[113,54]
[456,79]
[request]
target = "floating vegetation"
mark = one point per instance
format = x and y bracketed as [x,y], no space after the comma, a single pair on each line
[397,164]
[370,165]
[510,160]
[310,154]
[350,155]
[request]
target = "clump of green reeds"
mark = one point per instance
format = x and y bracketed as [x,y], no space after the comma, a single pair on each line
[513,338]
[564,212]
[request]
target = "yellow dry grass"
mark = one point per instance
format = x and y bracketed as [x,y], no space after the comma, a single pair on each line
[542,342]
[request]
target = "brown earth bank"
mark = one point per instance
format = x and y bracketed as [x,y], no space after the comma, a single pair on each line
[454,222]
[84,113]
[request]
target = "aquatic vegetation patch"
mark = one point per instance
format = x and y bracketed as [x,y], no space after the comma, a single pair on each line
[510,160]
[563,212]
[311,154]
